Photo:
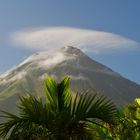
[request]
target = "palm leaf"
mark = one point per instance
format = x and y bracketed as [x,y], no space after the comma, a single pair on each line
[90,106]
[57,94]
[64,96]
[14,124]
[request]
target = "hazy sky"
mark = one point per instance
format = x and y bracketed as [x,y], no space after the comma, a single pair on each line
[109,30]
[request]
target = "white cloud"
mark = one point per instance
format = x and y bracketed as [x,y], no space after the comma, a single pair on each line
[59,57]
[18,76]
[78,77]
[53,59]
[87,40]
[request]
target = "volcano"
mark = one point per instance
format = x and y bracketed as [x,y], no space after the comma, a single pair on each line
[85,73]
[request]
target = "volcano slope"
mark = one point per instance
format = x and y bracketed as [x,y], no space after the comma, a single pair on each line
[85,73]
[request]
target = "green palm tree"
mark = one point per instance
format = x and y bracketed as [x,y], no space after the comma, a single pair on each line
[59,116]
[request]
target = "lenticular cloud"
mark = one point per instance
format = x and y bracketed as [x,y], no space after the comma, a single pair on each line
[87,40]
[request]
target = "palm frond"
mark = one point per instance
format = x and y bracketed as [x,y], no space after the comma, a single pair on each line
[104,109]
[64,96]
[51,94]
[32,110]
[13,125]
[90,106]
[31,107]
[57,94]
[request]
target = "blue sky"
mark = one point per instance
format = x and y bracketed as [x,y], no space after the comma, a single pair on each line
[109,16]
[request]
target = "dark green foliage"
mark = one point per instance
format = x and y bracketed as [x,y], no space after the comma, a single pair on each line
[62,116]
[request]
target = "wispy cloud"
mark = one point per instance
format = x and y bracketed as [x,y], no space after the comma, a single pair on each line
[87,40]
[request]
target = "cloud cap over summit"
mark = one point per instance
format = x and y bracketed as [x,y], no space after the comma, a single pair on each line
[85,39]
